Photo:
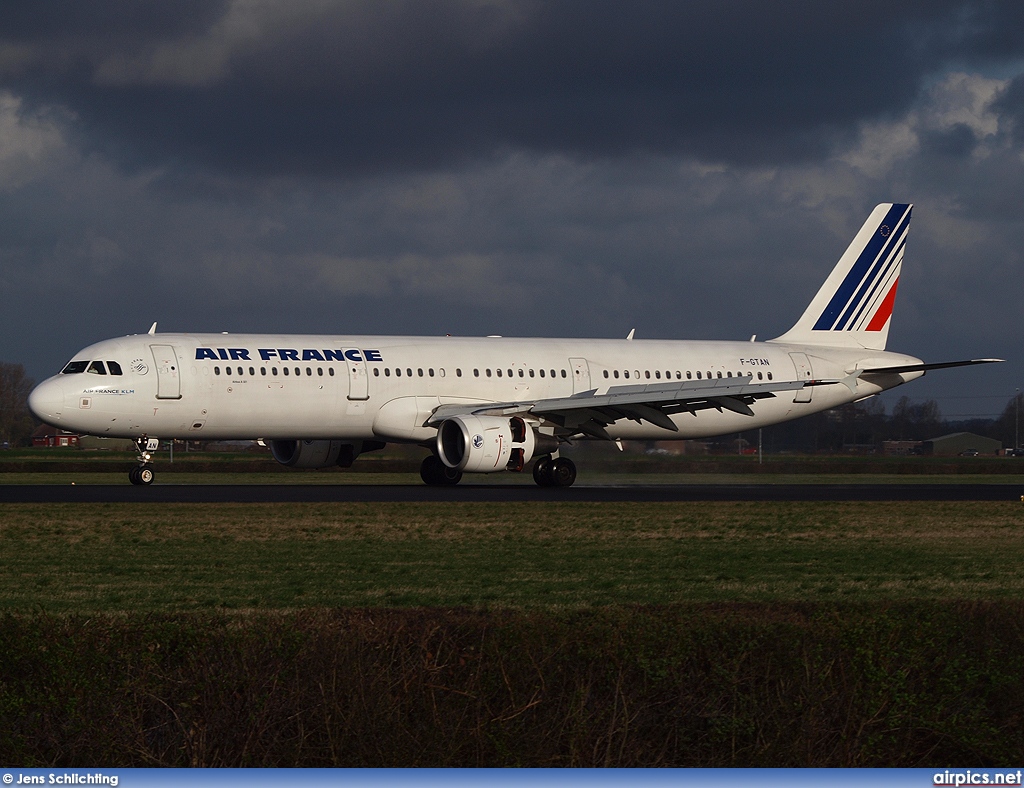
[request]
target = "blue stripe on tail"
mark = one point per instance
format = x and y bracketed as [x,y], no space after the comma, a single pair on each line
[863,272]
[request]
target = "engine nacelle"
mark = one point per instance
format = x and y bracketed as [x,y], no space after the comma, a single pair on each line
[486,444]
[313,454]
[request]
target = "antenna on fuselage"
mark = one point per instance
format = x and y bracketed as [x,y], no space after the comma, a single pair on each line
[152,328]
[630,334]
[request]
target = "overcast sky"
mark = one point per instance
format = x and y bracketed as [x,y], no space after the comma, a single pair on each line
[691,170]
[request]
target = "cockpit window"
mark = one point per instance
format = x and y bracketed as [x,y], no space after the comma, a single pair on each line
[114,367]
[74,367]
[97,368]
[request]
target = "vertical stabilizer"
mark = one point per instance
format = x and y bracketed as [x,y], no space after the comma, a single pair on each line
[853,307]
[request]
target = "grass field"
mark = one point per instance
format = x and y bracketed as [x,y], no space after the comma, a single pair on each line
[114,558]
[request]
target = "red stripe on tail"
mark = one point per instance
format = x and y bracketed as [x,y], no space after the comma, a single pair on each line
[885,310]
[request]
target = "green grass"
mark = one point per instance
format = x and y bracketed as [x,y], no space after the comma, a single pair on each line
[87,558]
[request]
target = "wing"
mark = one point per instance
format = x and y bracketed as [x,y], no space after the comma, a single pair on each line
[589,413]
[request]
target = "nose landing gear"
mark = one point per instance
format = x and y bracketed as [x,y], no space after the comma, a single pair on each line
[143,473]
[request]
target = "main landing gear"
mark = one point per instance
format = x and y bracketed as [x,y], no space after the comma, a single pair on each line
[143,472]
[559,472]
[547,472]
[436,474]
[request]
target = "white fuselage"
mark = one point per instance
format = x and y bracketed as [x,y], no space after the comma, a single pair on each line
[385,388]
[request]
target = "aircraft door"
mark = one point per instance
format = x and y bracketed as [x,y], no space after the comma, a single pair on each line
[168,379]
[358,381]
[803,372]
[580,375]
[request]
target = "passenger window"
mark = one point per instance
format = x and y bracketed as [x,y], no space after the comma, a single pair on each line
[273,371]
[542,373]
[387,372]
[458,372]
[476,373]
[419,372]
[298,371]
[227,370]
[252,371]
[309,372]
[398,372]
[408,372]
[565,374]
[522,372]
[331,372]
[488,372]
[698,375]
[430,371]
[499,372]
[376,372]
[97,368]
[769,376]
[552,373]
[320,371]
[216,370]
[285,370]
[657,374]
[719,375]
[263,371]
[615,374]
[689,375]
[760,376]
[531,373]
[625,374]
[606,373]
[115,368]
[647,374]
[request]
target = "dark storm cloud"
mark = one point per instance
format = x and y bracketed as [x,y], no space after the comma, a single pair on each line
[356,88]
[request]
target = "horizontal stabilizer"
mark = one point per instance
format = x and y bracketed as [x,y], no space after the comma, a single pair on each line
[926,367]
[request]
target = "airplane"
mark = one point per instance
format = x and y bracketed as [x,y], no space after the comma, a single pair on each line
[491,404]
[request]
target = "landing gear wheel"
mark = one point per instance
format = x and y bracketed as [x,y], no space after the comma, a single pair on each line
[542,472]
[554,473]
[141,474]
[436,474]
[562,472]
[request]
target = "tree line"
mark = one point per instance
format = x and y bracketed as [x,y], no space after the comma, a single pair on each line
[866,424]
[16,422]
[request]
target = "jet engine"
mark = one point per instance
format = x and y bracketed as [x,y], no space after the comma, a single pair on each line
[319,453]
[485,444]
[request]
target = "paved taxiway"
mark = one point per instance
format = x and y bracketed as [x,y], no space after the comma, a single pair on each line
[274,493]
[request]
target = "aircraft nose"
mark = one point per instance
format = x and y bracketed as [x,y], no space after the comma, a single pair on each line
[47,401]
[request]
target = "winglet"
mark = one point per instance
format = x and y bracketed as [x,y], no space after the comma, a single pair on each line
[152,328]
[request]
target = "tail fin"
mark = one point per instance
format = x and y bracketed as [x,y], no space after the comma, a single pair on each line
[853,307]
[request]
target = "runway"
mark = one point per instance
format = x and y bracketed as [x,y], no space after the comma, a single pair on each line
[337,493]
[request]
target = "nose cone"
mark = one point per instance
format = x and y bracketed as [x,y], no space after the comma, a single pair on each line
[47,401]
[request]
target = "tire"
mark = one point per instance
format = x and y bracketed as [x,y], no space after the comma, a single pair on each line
[562,472]
[542,472]
[133,475]
[145,475]
[436,474]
